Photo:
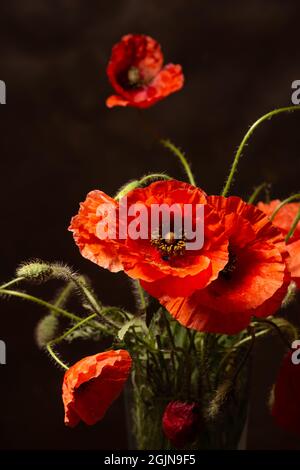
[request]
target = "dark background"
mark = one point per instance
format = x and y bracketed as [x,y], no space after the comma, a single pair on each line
[58,141]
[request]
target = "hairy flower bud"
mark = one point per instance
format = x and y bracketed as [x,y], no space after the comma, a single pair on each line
[46,330]
[181,422]
[37,271]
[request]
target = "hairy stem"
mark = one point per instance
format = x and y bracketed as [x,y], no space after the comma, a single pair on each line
[11,283]
[179,154]
[293,227]
[256,193]
[292,198]
[245,140]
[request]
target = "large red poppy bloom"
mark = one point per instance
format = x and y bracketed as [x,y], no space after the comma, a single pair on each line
[254,281]
[92,384]
[285,407]
[161,262]
[136,72]
[284,220]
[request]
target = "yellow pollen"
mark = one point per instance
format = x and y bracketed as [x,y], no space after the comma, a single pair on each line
[168,246]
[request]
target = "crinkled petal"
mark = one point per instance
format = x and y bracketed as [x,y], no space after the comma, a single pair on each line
[92,384]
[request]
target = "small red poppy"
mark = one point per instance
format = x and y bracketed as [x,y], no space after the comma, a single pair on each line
[92,384]
[254,281]
[162,264]
[136,72]
[285,406]
[181,423]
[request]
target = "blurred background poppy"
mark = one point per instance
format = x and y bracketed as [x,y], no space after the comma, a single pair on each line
[59,141]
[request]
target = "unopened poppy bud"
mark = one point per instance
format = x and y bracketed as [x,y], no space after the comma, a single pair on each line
[181,422]
[36,271]
[46,330]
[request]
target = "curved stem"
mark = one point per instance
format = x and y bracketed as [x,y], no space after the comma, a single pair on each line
[80,284]
[239,152]
[75,327]
[247,339]
[93,302]
[278,330]
[153,176]
[125,189]
[256,192]
[292,198]
[179,154]
[62,337]
[236,346]
[55,357]
[137,183]
[10,283]
[43,303]
[246,356]
[293,227]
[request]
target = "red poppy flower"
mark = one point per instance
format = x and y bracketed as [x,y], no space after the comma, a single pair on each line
[92,384]
[284,220]
[284,217]
[102,252]
[285,407]
[181,422]
[136,73]
[254,281]
[293,261]
[161,262]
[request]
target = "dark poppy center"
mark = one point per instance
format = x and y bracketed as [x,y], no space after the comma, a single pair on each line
[131,78]
[230,267]
[169,246]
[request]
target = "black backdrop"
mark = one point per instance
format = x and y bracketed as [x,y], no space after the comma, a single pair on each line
[58,141]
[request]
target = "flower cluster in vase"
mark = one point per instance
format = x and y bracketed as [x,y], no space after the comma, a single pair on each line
[204,295]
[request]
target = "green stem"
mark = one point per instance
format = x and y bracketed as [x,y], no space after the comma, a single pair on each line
[292,198]
[56,358]
[137,183]
[51,307]
[43,303]
[244,341]
[10,283]
[278,330]
[171,339]
[235,347]
[239,152]
[154,176]
[246,356]
[179,154]
[63,336]
[80,284]
[64,294]
[163,364]
[141,295]
[256,193]
[293,227]
[75,327]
